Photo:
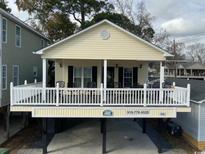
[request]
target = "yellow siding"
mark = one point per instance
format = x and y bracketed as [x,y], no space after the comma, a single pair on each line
[61,73]
[118,112]
[90,45]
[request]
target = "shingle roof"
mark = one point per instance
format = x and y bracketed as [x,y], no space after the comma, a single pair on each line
[197,88]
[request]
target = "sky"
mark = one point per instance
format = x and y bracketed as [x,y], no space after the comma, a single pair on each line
[184,20]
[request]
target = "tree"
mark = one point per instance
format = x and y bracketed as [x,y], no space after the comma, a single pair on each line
[59,26]
[3,5]
[82,9]
[196,52]
[55,16]
[79,10]
[118,19]
[139,16]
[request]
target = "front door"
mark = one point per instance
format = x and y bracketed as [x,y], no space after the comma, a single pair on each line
[110,77]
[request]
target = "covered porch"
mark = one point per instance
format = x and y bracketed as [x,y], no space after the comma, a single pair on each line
[100,83]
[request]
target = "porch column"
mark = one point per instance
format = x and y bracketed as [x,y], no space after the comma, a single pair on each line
[44,81]
[44,73]
[161,82]
[105,78]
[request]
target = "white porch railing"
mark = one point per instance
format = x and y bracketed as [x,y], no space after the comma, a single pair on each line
[32,95]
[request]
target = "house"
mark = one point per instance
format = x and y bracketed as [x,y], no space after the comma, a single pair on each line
[100,72]
[185,70]
[17,63]
[193,123]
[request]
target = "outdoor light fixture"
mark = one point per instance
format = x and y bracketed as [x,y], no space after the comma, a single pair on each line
[140,65]
[60,65]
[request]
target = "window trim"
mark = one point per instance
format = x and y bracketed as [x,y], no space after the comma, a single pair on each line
[124,75]
[4,65]
[17,75]
[16,36]
[6,29]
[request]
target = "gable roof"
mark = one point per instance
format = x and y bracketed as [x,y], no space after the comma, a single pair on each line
[21,23]
[166,54]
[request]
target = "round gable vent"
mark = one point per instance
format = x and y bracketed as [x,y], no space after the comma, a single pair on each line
[104,34]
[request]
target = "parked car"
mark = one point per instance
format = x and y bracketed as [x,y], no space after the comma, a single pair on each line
[174,129]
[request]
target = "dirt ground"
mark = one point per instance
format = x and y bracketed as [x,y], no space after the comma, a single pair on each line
[177,142]
[26,138]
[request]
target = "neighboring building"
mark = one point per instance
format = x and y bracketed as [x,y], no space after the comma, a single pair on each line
[101,72]
[186,70]
[193,123]
[17,62]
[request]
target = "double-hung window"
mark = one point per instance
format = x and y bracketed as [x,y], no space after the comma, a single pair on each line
[4,77]
[82,77]
[77,74]
[18,36]
[4,30]
[15,75]
[87,77]
[128,77]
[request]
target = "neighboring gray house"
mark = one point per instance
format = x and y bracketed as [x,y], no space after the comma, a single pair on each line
[17,42]
[193,123]
[17,62]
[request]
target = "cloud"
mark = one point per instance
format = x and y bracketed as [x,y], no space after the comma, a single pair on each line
[23,15]
[184,27]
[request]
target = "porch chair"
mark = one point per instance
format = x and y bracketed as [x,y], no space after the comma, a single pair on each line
[61,84]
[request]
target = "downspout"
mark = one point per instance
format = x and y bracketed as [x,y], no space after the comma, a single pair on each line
[0,60]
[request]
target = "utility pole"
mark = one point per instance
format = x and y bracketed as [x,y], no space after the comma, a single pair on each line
[175,63]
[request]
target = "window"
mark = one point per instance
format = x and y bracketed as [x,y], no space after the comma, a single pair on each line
[82,77]
[42,43]
[87,77]
[4,30]
[18,36]
[77,74]
[4,77]
[15,75]
[35,71]
[128,77]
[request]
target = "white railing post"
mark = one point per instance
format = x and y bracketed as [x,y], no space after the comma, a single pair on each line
[11,94]
[57,94]
[174,92]
[145,94]
[101,94]
[25,82]
[188,94]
